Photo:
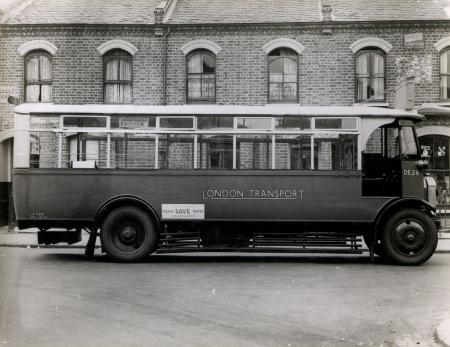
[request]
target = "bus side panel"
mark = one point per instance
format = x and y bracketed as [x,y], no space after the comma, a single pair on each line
[47,194]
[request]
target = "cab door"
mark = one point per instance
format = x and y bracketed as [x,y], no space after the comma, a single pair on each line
[411,165]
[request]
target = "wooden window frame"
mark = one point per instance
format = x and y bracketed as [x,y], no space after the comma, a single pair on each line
[201,100]
[32,54]
[441,74]
[271,59]
[117,54]
[369,50]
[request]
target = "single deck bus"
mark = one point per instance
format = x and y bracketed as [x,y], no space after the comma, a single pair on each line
[275,178]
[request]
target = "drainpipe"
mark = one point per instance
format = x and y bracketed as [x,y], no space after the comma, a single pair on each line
[166,39]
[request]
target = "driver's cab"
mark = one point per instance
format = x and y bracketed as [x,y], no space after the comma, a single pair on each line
[391,162]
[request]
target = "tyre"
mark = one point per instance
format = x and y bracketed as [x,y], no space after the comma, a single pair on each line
[409,237]
[128,234]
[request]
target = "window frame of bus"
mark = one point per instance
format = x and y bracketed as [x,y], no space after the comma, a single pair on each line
[272,130]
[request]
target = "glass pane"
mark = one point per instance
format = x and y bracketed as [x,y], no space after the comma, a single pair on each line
[39,122]
[208,86]
[215,122]
[125,70]
[195,63]
[132,151]
[215,152]
[393,143]
[293,152]
[45,68]
[84,122]
[335,152]
[254,123]
[445,87]
[254,152]
[134,122]
[176,151]
[43,150]
[209,63]
[293,123]
[362,65]
[276,91]
[276,67]
[409,146]
[194,87]
[440,152]
[176,122]
[33,69]
[378,63]
[112,70]
[445,62]
[46,93]
[33,92]
[378,88]
[336,123]
[290,91]
[84,150]
[363,89]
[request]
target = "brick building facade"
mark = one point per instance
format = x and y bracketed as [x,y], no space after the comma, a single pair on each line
[158,38]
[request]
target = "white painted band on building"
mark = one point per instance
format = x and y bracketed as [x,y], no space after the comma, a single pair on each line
[117,44]
[283,42]
[35,45]
[200,44]
[370,42]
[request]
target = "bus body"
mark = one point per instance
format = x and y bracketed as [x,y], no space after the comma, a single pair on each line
[197,178]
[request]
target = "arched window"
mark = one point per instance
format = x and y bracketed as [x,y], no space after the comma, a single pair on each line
[445,74]
[370,75]
[117,77]
[201,76]
[283,75]
[38,77]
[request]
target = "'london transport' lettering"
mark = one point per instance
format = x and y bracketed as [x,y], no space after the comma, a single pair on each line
[252,194]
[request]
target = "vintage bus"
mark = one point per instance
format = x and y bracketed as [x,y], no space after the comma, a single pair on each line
[274,178]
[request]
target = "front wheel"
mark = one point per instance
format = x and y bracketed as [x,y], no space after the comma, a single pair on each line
[128,234]
[409,237]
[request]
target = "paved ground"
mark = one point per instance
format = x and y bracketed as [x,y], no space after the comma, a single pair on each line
[55,297]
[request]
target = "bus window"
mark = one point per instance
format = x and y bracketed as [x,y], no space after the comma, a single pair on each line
[409,144]
[254,123]
[335,152]
[176,151]
[292,123]
[215,122]
[293,152]
[336,123]
[215,152]
[135,122]
[176,122]
[43,149]
[132,151]
[254,152]
[87,150]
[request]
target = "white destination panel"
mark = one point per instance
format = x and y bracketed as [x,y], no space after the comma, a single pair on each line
[183,211]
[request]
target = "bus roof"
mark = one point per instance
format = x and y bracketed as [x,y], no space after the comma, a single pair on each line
[207,110]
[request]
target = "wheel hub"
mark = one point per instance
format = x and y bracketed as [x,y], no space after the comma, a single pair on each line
[409,237]
[128,234]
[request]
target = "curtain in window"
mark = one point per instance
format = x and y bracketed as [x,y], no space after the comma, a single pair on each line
[283,75]
[118,81]
[38,79]
[445,75]
[370,76]
[201,78]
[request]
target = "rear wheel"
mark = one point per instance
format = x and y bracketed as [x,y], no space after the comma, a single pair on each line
[409,237]
[128,234]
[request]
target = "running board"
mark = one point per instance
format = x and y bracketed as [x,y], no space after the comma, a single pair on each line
[307,242]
